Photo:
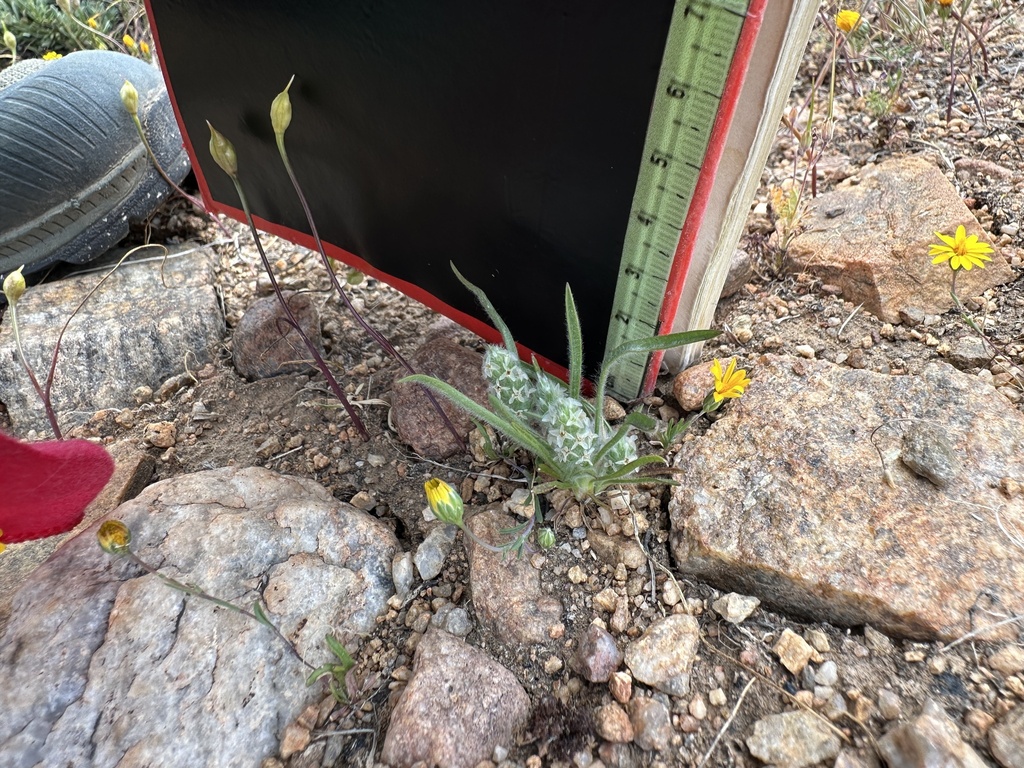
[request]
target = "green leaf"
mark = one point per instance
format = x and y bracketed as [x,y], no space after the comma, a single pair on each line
[619,435]
[655,343]
[572,325]
[506,334]
[641,421]
[633,466]
[513,431]
[339,650]
[646,345]
[257,611]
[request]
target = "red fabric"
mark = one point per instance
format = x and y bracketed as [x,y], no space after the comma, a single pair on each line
[45,487]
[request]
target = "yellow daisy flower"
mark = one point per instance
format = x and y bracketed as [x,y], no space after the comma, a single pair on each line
[129,42]
[51,55]
[961,251]
[444,501]
[847,21]
[144,47]
[93,24]
[731,383]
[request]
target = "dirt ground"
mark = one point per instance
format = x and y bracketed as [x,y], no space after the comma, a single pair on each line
[291,424]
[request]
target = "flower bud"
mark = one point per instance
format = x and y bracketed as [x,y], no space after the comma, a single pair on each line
[444,501]
[223,152]
[114,537]
[546,538]
[281,110]
[130,98]
[10,41]
[129,42]
[14,286]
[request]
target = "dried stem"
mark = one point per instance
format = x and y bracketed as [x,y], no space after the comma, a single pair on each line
[373,333]
[290,318]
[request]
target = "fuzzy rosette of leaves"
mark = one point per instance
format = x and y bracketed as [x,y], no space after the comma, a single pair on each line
[567,434]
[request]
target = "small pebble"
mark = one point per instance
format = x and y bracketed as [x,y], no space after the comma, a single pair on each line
[889,705]
[793,651]
[612,724]
[978,720]
[827,674]
[698,708]
[818,640]
[716,697]
[805,350]
[621,686]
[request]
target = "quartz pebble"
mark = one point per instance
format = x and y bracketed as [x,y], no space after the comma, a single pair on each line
[793,651]
[598,655]
[889,705]
[735,608]
[621,686]
[613,724]
[652,723]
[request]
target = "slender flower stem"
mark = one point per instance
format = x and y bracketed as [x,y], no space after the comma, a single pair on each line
[318,358]
[373,333]
[189,589]
[43,395]
[504,548]
[163,174]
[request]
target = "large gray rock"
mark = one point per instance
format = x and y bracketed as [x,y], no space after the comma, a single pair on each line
[870,236]
[137,329]
[784,499]
[105,665]
[459,705]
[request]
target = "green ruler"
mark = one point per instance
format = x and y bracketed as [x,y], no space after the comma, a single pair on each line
[694,71]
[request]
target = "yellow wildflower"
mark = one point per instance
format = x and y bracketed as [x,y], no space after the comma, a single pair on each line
[946,2]
[93,24]
[2,545]
[144,47]
[129,42]
[847,21]
[961,251]
[444,501]
[114,537]
[731,383]
[51,55]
